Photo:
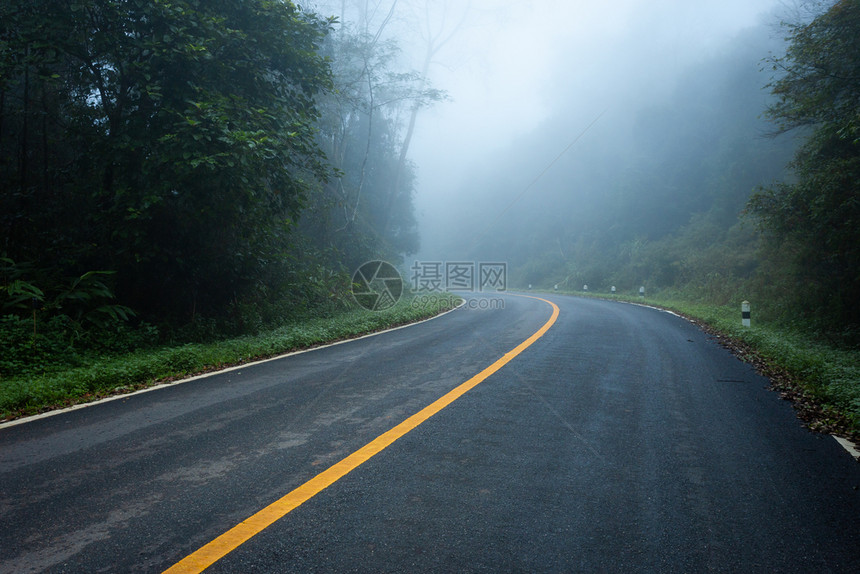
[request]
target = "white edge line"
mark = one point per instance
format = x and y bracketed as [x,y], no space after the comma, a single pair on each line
[650,307]
[158,386]
[845,443]
[622,301]
[849,446]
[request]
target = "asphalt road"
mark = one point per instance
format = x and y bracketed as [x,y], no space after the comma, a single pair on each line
[624,439]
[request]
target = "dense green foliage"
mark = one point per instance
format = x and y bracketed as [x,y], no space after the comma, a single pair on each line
[816,217]
[212,168]
[367,208]
[171,143]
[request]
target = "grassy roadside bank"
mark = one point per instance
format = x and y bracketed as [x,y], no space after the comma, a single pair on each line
[133,371]
[821,379]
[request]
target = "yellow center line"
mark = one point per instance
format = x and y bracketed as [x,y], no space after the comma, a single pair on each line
[245,530]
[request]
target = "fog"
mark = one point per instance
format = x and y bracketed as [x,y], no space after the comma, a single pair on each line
[610,144]
[566,120]
[512,69]
[545,70]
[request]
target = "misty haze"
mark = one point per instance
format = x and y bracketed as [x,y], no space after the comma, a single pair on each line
[190,187]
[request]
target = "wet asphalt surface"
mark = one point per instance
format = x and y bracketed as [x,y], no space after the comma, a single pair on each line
[625,439]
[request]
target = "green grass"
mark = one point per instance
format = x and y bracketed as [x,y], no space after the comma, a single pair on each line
[822,379]
[21,396]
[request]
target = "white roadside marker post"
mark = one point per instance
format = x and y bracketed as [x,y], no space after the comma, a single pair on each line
[642,291]
[745,313]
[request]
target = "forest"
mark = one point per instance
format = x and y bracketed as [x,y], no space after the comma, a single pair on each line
[187,170]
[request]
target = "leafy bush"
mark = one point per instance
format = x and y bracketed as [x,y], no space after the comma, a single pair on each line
[55,325]
[25,352]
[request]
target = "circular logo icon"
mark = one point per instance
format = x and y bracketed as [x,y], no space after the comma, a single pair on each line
[377,285]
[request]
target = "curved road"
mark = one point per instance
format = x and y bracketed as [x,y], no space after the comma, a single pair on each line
[623,439]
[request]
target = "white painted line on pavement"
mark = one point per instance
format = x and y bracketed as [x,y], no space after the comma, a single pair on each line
[158,386]
[849,446]
[652,307]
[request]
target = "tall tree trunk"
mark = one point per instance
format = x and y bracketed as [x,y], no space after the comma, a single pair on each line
[22,173]
[350,219]
[2,114]
[435,42]
[45,163]
[366,154]
[394,191]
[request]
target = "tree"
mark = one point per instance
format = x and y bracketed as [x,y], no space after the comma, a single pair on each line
[175,141]
[434,40]
[367,211]
[818,215]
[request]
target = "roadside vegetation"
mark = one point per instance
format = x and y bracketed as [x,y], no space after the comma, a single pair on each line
[181,188]
[46,373]
[174,176]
